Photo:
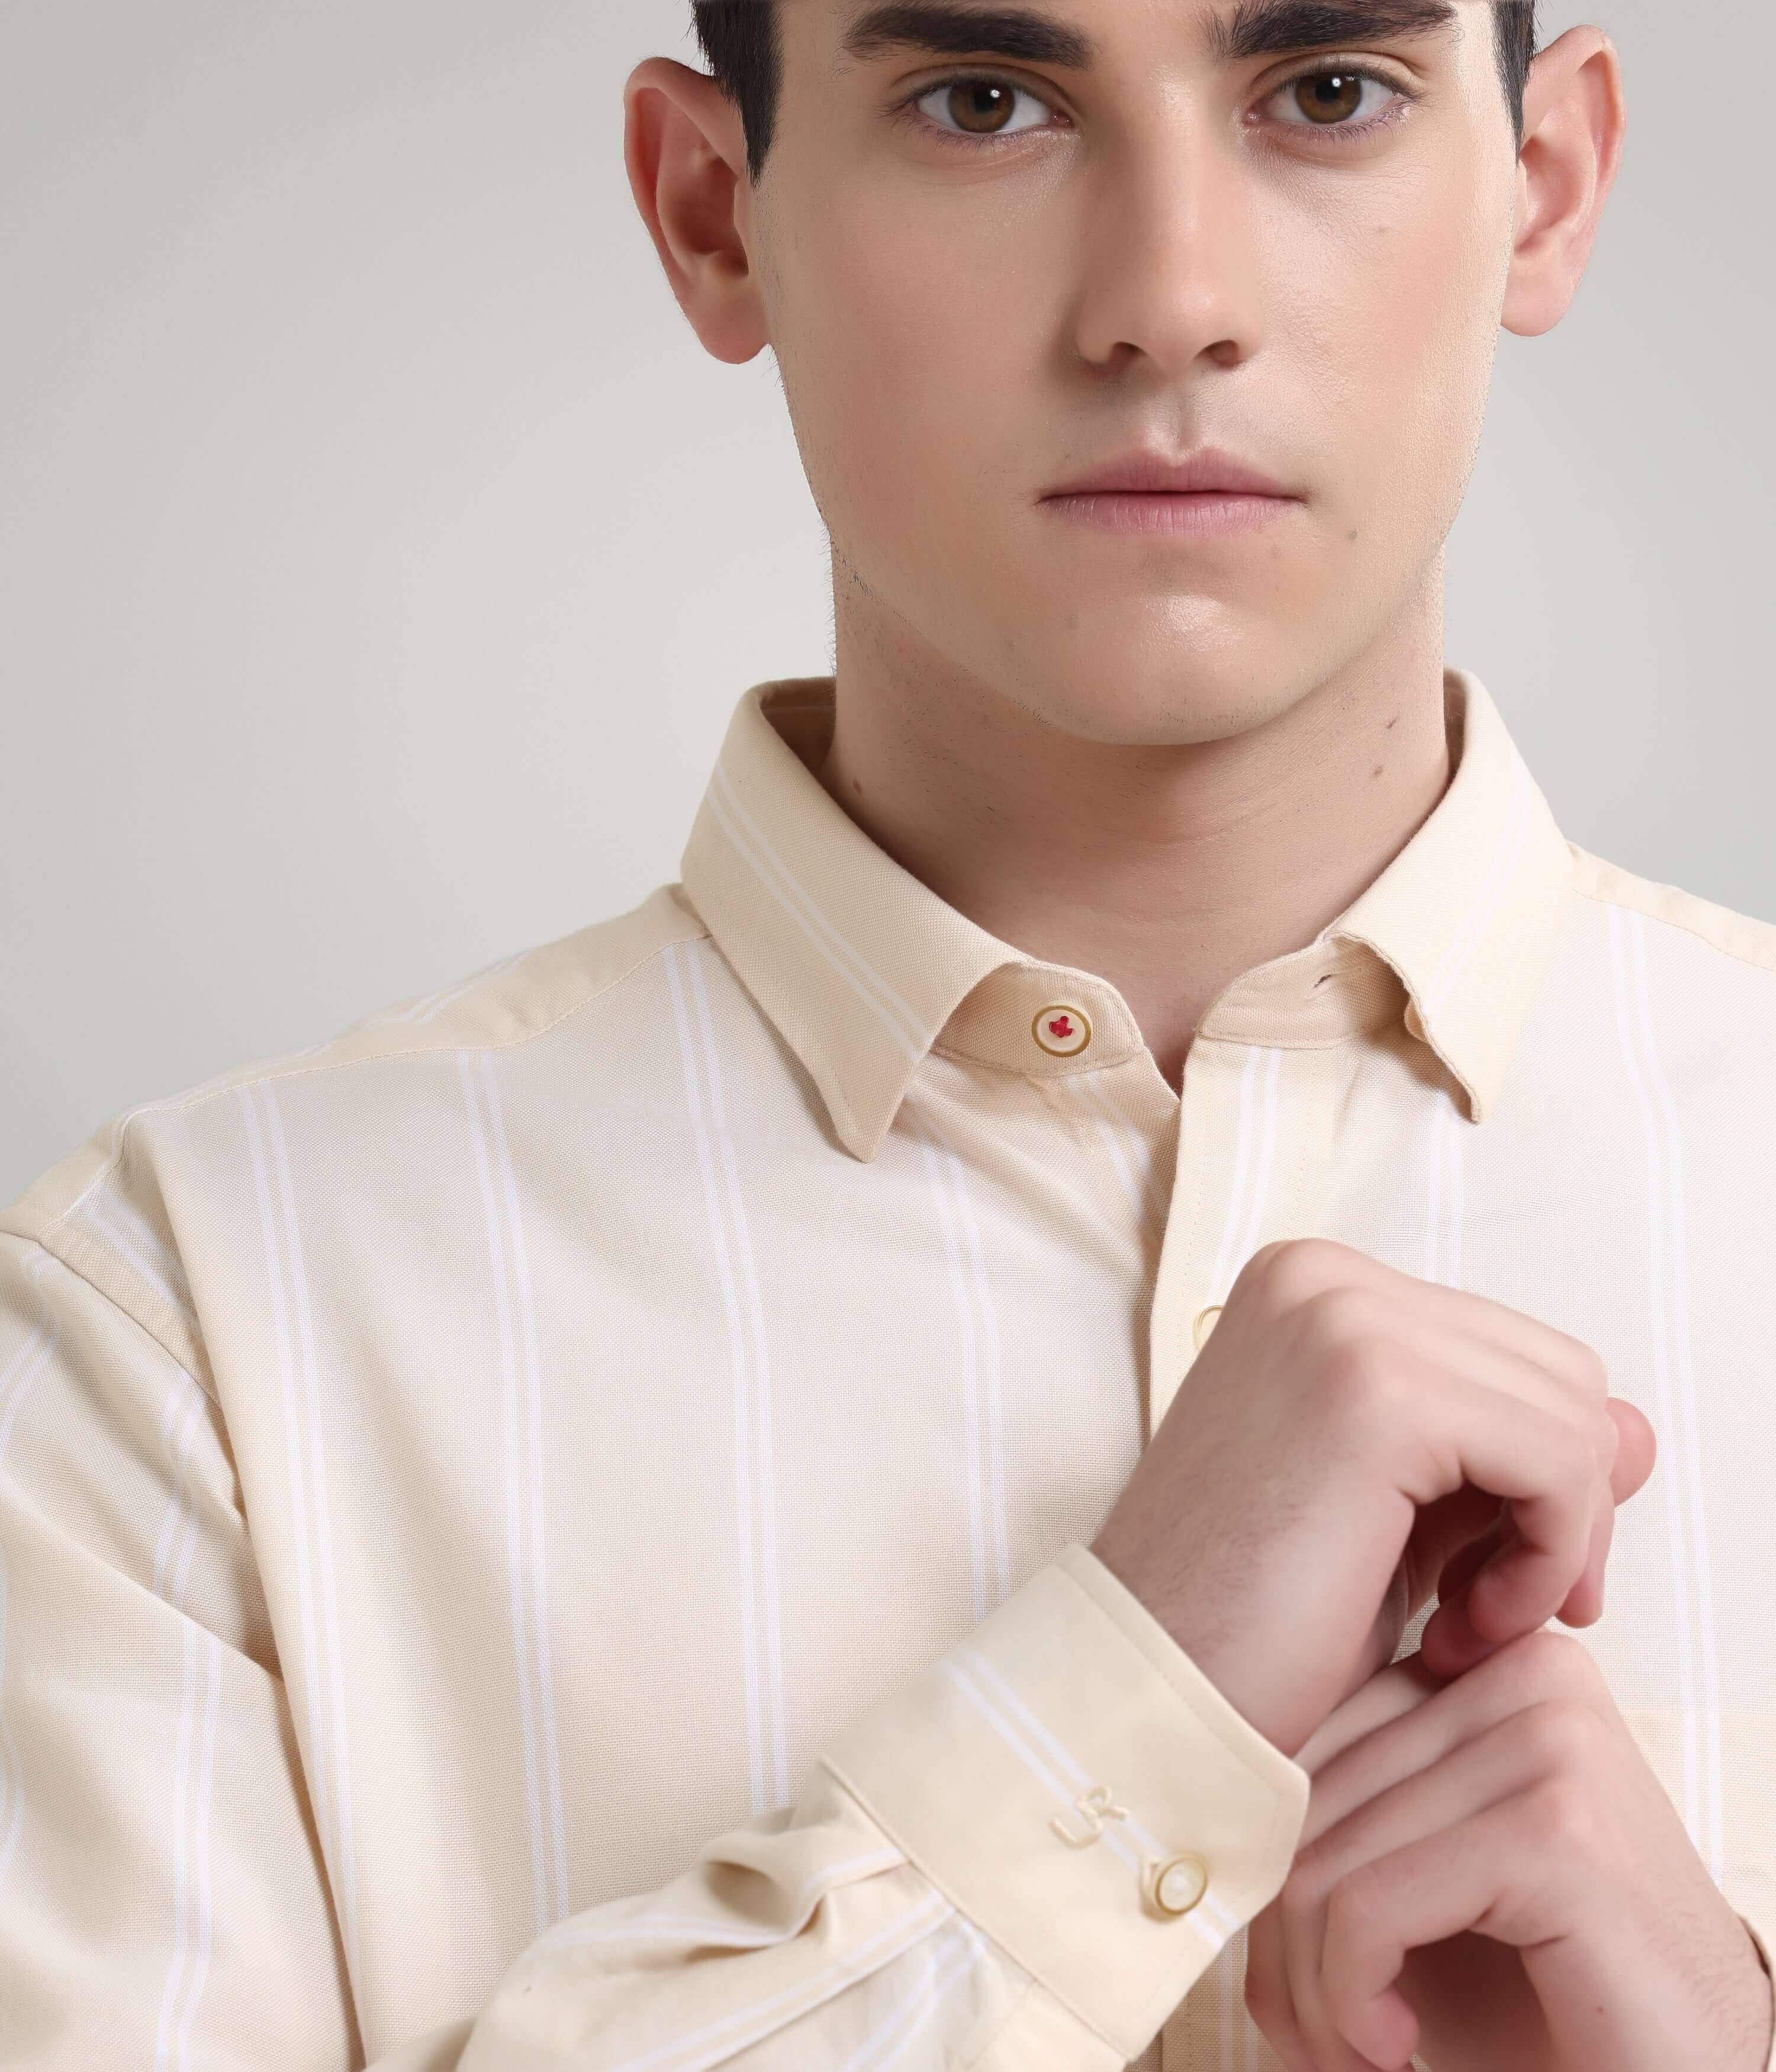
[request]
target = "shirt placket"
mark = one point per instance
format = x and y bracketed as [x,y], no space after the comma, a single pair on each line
[1263,1085]
[1257,1121]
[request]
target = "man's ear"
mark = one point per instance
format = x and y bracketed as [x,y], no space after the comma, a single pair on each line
[684,146]
[1575,118]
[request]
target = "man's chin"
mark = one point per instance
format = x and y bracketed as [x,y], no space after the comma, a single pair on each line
[1183,710]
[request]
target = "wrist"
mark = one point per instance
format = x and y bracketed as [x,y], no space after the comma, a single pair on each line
[1160,1595]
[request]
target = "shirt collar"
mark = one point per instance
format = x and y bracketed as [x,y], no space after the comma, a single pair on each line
[859,967]
[856,964]
[1468,914]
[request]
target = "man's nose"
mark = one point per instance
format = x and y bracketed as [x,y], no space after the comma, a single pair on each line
[1171,260]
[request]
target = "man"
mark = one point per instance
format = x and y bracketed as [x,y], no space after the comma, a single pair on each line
[843,1471]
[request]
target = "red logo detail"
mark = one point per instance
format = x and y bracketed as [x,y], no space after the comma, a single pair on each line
[1060,1029]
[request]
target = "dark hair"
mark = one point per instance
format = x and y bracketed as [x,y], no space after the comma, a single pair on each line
[740,40]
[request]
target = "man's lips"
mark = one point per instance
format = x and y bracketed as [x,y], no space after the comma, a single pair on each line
[1206,471]
[1207,494]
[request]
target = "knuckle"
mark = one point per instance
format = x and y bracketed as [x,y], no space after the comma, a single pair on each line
[1585,1364]
[1562,1735]
[1545,1667]
[1292,1269]
[1339,1315]
[1352,1355]
[1303,1889]
[1575,1448]
[1355,1900]
[1569,1821]
[1265,1998]
[1570,1669]
[1538,1668]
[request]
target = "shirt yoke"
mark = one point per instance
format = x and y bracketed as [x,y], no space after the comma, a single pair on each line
[102,1209]
[1736,935]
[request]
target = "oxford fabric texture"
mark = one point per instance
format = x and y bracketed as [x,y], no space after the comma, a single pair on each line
[552,1529]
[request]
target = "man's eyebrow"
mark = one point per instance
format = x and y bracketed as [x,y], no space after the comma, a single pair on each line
[955,28]
[1272,28]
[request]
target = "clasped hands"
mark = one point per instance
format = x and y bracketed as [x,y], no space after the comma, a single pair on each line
[1489,1873]
[1491,1876]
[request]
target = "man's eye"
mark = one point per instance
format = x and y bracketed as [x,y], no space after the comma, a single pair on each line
[965,109]
[1338,98]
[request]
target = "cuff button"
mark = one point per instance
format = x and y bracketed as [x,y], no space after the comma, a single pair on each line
[1176,1885]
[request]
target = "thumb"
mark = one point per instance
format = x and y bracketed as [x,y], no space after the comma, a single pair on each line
[1636,1449]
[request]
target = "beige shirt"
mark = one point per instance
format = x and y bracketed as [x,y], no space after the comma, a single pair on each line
[552,1529]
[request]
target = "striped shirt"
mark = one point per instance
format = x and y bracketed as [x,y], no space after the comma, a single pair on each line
[553,1528]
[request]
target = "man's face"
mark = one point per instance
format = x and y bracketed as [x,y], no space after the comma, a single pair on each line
[985,275]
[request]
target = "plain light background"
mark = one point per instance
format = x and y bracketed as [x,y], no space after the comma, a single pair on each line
[382,556]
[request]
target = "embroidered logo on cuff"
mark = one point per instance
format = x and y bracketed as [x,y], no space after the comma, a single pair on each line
[1093,1806]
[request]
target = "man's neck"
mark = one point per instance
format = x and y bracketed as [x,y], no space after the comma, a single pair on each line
[1167,871]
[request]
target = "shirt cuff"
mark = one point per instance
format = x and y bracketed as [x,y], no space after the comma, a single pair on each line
[1070,1710]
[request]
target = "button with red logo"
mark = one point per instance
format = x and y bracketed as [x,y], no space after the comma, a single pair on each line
[1062,1030]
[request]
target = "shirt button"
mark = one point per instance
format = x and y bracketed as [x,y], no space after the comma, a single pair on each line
[1062,1029]
[1205,1322]
[1179,1884]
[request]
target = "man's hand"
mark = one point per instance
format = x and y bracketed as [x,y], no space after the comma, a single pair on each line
[1490,1873]
[1347,1429]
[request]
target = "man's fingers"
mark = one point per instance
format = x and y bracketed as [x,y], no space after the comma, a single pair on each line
[1443,1532]
[1458,1645]
[1636,1451]
[1546,1462]
[1459,1311]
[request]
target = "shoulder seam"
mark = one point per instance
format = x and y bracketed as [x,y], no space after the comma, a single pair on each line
[177,1104]
[111,1303]
[1683,927]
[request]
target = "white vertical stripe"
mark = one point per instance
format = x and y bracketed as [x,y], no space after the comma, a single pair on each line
[1039,1747]
[895,1014]
[946,1960]
[756,1724]
[130,1235]
[1059,1779]
[178,1419]
[181,1764]
[1500,870]
[729,2034]
[1239,1241]
[538,1572]
[1236,1194]
[765,1457]
[323,1531]
[1143,1197]
[1261,1190]
[173,1556]
[15,1383]
[1061,1774]
[994,1406]
[205,1897]
[326,1815]
[1691,1464]
[1676,1483]
[1234,2023]
[518,1609]
[965,1311]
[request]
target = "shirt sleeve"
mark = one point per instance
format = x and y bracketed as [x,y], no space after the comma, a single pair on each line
[1024,1857]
